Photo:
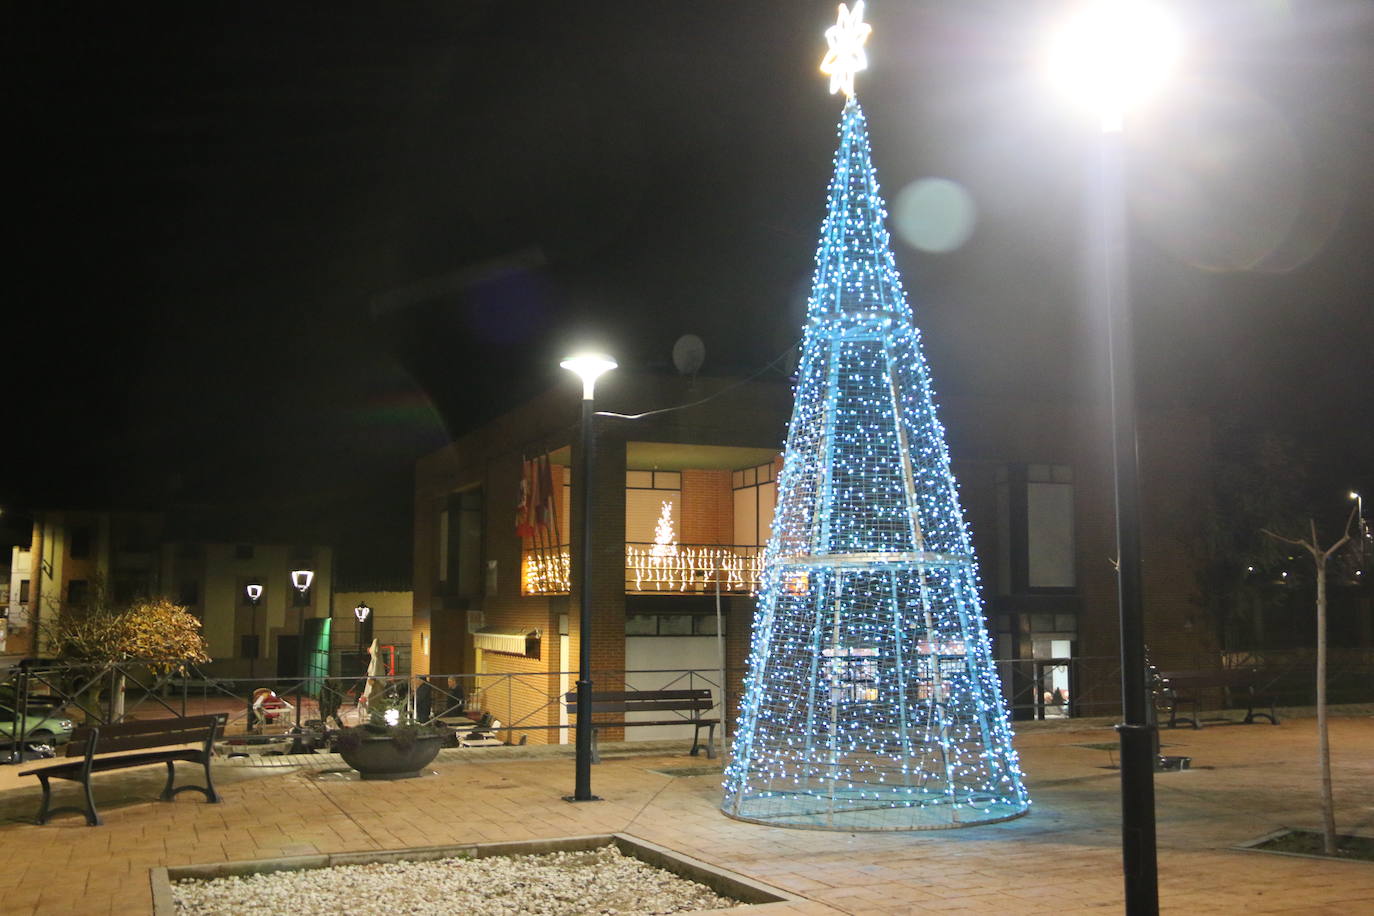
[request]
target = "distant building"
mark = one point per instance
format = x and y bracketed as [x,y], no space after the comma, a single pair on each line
[69,553]
[683,499]
[287,631]
[279,634]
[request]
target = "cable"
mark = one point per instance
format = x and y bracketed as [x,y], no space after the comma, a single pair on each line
[748,378]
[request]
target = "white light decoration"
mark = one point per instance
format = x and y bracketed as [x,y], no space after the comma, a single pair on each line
[588,367]
[301,579]
[846,56]
[692,567]
[254,592]
[392,717]
[361,611]
[1112,55]
[871,700]
[664,544]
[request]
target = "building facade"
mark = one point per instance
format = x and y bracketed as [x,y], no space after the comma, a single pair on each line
[681,505]
[272,637]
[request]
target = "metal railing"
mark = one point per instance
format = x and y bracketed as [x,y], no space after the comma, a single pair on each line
[530,703]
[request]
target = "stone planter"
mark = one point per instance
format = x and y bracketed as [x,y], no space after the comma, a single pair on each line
[378,757]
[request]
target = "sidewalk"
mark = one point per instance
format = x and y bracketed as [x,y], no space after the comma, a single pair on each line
[1064,857]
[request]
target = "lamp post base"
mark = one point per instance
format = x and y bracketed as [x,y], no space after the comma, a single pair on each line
[574,798]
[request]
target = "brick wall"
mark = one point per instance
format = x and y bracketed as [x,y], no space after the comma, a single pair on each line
[707,511]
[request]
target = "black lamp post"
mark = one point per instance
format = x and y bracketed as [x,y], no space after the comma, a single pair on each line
[254,593]
[587,367]
[1111,56]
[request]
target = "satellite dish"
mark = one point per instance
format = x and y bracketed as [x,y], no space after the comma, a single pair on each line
[688,354]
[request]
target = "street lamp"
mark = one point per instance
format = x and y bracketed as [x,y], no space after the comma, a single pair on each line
[362,612]
[301,579]
[1111,56]
[254,593]
[1362,527]
[588,367]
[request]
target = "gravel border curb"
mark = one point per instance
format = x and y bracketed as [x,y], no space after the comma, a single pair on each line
[756,896]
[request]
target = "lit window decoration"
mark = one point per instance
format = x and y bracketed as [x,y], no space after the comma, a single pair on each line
[871,700]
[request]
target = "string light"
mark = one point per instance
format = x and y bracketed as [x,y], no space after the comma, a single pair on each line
[871,700]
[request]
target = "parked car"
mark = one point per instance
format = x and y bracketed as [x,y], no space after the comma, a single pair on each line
[39,728]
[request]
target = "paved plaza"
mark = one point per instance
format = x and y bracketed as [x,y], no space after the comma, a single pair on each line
[1064,857]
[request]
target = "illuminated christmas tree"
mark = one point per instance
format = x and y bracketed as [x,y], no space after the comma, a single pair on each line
[871,700]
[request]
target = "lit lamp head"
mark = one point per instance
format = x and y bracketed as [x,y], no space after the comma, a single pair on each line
[1112,55]
[301,579]
[588,367]
[361,611]
[254,593]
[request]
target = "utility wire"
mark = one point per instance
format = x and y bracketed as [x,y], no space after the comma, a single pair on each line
[748,378]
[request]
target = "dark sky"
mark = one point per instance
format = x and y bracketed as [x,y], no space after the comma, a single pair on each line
[266,255]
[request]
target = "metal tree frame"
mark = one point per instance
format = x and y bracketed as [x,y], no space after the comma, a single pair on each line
[871,701]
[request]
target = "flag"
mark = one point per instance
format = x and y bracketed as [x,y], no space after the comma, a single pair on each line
[523,528]
[543,501]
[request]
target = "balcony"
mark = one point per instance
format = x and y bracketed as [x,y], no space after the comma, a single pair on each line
[654,569]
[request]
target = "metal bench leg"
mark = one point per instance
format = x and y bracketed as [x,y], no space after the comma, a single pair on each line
[596,751]
[167,793]
[210,792]
[710,742]
[47,797]
[92,817]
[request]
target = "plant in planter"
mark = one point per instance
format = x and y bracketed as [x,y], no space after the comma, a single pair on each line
[390,745]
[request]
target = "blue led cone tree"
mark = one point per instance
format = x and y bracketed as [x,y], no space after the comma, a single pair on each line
[871,700]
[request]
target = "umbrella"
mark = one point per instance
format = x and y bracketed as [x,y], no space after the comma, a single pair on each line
[374,668]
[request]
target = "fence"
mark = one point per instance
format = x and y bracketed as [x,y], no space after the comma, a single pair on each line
[528,706]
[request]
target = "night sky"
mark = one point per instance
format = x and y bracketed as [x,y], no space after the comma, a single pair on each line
[264,256]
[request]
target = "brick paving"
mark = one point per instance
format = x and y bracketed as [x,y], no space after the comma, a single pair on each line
[1064,857]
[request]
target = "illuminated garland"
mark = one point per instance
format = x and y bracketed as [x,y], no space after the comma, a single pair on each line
[871,700]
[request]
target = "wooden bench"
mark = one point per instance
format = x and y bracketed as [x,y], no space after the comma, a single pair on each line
[690,705]
[1185,688]
[91,744]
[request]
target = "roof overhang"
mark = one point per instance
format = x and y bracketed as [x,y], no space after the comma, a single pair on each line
[504,639]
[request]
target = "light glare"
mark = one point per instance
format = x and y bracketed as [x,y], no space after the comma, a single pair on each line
[588,367]
[1112,55]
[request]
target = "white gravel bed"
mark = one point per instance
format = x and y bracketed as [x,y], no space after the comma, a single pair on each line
[598,881]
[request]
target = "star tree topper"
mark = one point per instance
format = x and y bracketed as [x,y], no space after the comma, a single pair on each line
[846,55]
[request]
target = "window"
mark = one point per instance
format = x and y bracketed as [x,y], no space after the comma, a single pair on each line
[645,494]
[248,646]
[23,591]
[671,625]
[1035,528]
[1049,526]
[78,590]
[460,546]
[755,498]
[80,545]
[189,593]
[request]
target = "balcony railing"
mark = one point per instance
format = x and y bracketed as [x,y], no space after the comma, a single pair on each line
[655,569]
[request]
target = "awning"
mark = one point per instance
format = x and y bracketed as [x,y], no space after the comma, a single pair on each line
[503,639]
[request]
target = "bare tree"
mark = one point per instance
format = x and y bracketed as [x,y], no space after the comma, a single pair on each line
[1319,557]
